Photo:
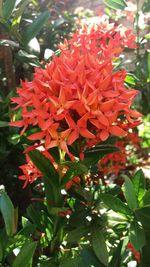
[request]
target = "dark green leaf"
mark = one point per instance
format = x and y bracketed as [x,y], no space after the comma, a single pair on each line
[93,155]
[146,199]
[89,259]
[75,169]
[116,4]
[1,252]
[36,26]
[71,260]
[35,216]
[4,123]
[139,184]
[50,177]
[129,193]
[8,8]
[8,213]
[116,257]
[116,204]
[76,234]
[25,255]
[148,66]
[143,215]
[137,235]
[99,246]
[44,165]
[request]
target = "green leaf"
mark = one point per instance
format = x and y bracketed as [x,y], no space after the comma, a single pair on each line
[75,169]
[147,36]
[146,199]
[116,256]
[139,183]
[44,165]
[131,79]
[89,258]
[25,255]
[93,155]
[115,4]
[8,8]
[70,259]
[99,245]
[1,252]
[116,204]
[76,234]
[8,213]
[148,66]
[35,216]
[36,26]
[129,193]
[18,14]
[137,235]
[143,215]
[50,177]
[4,123]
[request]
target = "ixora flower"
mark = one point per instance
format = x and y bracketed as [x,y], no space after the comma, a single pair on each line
[79,96]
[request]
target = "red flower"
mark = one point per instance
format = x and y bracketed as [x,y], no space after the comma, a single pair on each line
[79,95]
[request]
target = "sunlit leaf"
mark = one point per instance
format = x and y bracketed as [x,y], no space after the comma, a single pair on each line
[129,193]
[25,255]
[116,4]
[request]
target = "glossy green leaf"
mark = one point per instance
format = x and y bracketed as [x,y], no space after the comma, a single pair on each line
[99,246]
[93,155]
[143,215]
[8,8]
[36,26]
[8,213]
[24,258]
[50,177]
[137,235]
[115,4]
[139,183]
[76,234]
[131,79]
[129,193]
[116,204]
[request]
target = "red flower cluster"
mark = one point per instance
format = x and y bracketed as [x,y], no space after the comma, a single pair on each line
[30,172]
[115,162]
[79,94]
